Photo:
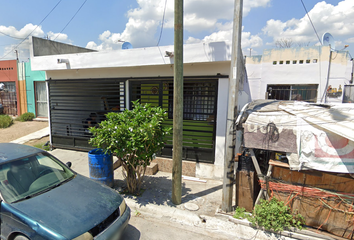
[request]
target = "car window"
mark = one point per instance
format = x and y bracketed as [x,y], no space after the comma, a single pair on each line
[43,161]
[27,177]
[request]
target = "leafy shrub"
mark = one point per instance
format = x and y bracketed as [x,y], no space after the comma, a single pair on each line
[134,136]
[5,121]
[240,213]
[272,215]
[26,117]
[275,215]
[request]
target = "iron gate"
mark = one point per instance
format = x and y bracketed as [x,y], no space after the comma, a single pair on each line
[199,113]
[8,98]
[77,104]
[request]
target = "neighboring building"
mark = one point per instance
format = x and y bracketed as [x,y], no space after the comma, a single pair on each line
[82,83]
[36,91]
[9,98]
[313,74]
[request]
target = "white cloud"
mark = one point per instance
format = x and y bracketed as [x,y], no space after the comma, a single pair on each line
[23,48]
[144,22]
[60,37]
[247,39]
[23,32]
[326,18]
[350,40]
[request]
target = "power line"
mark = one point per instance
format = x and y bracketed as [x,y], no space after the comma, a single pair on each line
[32,30]
[311,22]
[11,36]
[71,19]
[163,20]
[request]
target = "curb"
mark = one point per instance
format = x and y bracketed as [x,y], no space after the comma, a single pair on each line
[226,224]
[293,233]
[36,135]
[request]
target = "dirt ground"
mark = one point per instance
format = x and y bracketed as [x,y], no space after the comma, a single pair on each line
[20,129]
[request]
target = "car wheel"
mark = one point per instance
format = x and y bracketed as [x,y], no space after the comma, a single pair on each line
[21,237]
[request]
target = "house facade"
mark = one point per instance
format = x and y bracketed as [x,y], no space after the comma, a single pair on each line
[313,74]
[85,83]
[10,98]
[36,91]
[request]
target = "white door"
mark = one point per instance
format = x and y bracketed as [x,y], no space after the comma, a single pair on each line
[41,99]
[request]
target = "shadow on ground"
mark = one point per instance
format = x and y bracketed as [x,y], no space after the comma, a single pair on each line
[131,233]
[157,190]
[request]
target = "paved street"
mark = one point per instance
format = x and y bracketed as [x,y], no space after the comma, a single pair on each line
[144,228]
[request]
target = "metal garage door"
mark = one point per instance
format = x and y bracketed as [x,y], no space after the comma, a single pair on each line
[73,102]
[199,113]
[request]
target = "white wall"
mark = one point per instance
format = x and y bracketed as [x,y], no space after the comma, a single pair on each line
[261,70]
[217,172]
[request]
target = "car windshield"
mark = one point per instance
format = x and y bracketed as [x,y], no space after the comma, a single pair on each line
[27,177]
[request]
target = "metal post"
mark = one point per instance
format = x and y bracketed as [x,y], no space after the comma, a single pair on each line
[178,105]
[234,78]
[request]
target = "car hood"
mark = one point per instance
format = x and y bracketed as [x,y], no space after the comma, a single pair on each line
[72,208]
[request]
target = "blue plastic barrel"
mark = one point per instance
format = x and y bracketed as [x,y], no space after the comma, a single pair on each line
[101,166]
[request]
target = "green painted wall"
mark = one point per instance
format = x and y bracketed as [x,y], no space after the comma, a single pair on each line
[31,77]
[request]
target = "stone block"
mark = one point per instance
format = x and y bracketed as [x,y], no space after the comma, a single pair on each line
[166,164]
[151,169]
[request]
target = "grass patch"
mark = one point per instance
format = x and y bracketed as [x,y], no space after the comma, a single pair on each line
[5,121]
[41,146]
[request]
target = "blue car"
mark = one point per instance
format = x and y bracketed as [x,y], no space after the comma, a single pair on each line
[42,198]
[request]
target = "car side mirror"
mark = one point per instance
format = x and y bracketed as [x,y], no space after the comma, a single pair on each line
[68,164]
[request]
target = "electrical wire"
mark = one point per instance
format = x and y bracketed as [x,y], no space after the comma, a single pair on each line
[71,19]
[32,30]
[311,22]
[162,22]
[11,36]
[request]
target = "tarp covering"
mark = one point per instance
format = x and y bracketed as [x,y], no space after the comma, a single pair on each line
[319,137]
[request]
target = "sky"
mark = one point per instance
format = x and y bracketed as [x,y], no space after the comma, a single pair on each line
[105,25]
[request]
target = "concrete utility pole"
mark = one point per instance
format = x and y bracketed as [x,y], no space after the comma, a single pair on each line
[178,105]
[234,78]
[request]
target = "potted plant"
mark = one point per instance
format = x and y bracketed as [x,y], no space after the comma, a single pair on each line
[134,136]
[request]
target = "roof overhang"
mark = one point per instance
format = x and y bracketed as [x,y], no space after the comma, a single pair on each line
[151,56]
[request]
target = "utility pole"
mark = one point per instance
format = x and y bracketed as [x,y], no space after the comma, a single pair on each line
[178,105]
[16,54]
[234,78]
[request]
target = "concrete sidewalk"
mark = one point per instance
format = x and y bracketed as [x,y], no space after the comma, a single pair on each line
[36,135]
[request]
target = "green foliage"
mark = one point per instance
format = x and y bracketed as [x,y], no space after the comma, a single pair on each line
[134,136]
[41,146]
[26,117]
[240,213]
[272,215]
[5,121]
[275,215]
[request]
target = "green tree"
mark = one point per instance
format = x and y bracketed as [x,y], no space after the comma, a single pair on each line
[135,137]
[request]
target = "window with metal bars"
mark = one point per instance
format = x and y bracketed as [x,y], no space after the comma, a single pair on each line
[199,113]
[298,92]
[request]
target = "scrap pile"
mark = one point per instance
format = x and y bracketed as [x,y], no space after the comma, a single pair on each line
[316,143]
